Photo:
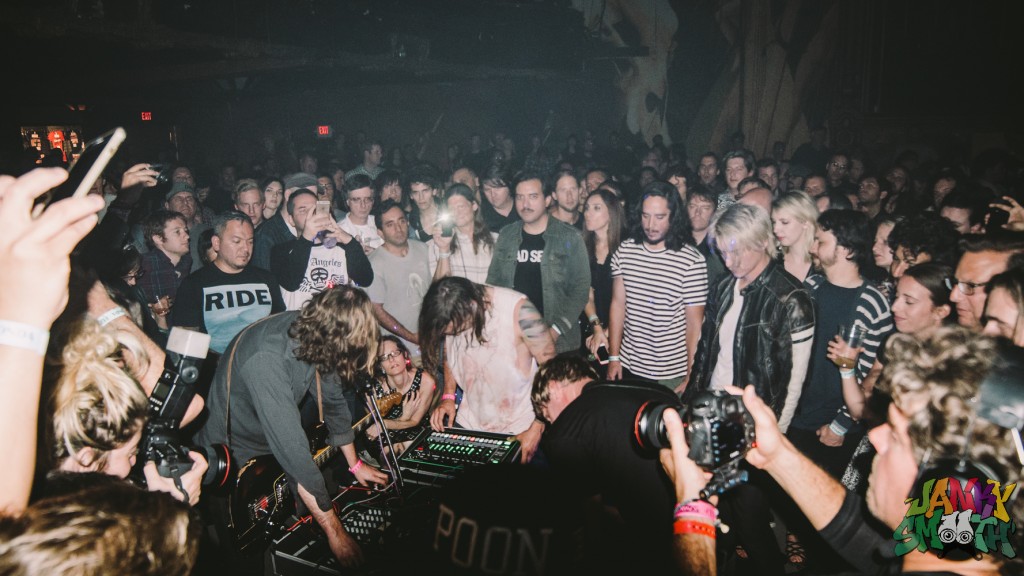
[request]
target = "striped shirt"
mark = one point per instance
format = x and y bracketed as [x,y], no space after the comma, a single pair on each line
[659,285]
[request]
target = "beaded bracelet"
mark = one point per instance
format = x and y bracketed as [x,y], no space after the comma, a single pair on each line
[690,527]
[356,466]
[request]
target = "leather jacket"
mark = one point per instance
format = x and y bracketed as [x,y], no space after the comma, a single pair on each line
[775,306]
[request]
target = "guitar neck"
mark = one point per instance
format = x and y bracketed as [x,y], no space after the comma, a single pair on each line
[383,404]
[329,452]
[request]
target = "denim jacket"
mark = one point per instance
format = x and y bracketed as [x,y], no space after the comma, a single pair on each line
[565,274]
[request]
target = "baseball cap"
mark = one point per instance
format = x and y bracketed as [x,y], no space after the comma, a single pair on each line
[178,187]
[299,180]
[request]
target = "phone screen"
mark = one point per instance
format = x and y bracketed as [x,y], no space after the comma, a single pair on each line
[87,168]
[447,225]
[602,355]
[323,207]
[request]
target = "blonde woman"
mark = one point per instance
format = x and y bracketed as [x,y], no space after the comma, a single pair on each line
[99,409]
[794,220]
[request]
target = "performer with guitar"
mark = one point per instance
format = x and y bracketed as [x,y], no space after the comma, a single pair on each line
[267,372]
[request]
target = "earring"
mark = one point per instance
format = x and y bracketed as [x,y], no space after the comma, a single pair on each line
[408,363]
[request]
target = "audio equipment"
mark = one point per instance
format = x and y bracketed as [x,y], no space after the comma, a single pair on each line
[388,529]
[434,458]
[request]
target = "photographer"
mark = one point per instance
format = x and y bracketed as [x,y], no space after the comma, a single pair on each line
[942,391]
[100,410]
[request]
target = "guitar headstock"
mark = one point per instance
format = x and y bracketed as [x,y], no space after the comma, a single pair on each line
[388,401]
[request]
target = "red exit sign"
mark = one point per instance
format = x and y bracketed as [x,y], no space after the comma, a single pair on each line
[147,116]
[323,131]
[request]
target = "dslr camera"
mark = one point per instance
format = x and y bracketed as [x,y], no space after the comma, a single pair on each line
[160,444]
[719,431]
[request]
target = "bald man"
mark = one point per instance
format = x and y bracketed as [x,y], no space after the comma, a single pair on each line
[758,196]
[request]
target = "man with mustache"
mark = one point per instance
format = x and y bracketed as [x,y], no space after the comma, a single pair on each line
[545,259]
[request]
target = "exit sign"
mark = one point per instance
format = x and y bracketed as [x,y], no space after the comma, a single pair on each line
[323,131]
[147,116]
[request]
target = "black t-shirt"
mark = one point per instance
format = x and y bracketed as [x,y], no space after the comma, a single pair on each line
[528,278]
[823,392]
[601,282]
[494,220]
[591,445]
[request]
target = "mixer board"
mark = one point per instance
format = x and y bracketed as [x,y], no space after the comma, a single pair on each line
[434,458]
[394,530]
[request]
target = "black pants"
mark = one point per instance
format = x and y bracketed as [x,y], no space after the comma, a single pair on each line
[745,508]
[832,459]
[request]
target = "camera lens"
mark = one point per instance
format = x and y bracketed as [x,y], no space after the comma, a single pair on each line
[218,471]
[649,426]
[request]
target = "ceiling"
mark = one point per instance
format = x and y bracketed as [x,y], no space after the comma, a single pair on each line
[181,49]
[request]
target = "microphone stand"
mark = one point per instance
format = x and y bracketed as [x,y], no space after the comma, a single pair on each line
[390,458]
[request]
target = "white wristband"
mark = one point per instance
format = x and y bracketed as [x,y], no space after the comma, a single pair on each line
[111,315]
[444,255]
[837,429]
[24,336]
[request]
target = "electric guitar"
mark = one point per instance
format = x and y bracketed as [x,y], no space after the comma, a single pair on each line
[263,501]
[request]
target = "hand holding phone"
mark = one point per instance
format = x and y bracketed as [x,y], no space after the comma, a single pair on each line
[998,215]
[85,170]
[323,208]
[602,356]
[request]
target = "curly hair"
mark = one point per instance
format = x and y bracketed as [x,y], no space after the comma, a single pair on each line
[96,403]
[452,304]
[929,233]
[852,231]
[337,332]
[934,381]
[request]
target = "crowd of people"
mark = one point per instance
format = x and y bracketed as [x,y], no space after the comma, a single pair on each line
[548,296]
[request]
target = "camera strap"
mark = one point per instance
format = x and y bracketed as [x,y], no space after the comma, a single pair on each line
[319,398]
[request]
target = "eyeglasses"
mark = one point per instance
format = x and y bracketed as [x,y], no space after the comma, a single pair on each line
[133,276]
[838,165]
[385,357]
[968,288]
[361,200]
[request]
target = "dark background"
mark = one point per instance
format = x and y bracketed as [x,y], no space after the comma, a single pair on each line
[220,77]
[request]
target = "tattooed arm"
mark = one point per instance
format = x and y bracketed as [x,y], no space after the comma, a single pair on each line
[535,332]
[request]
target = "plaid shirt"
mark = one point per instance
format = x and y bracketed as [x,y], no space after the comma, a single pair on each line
[160,277]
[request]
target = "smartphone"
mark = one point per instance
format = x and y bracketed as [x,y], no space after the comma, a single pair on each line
[602,356]
[87,168]
[997,217]
[447,225]
[323,207]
